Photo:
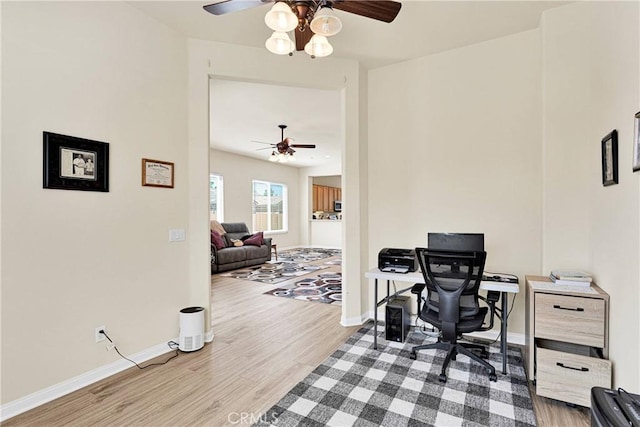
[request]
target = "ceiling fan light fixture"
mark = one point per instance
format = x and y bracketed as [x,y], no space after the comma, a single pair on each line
[280,43]
[318,47]
[325,23]
[281,17]
[273,157]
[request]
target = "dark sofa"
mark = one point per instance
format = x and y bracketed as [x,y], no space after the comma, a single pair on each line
[233,257]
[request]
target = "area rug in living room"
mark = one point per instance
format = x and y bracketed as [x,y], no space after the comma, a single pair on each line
[358,385]
[307,254]
[274,272]
[325,288]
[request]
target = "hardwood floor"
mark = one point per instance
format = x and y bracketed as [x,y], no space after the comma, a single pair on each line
[551,412]
[263,346]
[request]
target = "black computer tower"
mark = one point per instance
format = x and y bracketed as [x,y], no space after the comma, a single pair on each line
[397,319]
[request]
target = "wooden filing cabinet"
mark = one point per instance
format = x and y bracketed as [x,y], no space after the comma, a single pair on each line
[566,341]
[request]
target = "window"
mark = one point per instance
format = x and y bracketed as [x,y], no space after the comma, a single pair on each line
[216,206]
[269,206]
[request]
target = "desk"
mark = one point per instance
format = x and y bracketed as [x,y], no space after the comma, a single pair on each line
[416,277]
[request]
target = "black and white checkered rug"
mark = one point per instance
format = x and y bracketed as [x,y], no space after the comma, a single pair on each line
[360,386]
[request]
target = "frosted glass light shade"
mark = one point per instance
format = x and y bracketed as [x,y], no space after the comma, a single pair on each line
[279,43]
[273,157]
[325,23]
[281,18]
[318,47]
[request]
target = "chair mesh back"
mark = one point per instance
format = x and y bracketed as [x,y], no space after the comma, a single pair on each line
[448,269]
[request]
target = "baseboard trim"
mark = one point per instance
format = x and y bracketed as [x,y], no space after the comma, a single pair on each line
[33,400]
[355,321]
[209,336]
[512,337]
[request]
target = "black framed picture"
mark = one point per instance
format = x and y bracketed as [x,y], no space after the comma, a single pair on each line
[71,163]
[610,158]
[636,143]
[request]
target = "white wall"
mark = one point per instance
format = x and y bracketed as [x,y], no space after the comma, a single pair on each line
[238,173]
[326,233]
[75,260]
[328,181]
[454,146]
[592,86]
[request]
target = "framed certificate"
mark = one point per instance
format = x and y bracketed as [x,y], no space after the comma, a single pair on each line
[156,173]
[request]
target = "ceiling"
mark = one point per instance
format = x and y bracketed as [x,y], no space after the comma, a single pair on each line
[421,28]
[244,112]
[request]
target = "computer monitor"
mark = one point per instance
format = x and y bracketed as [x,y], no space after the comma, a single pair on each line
[457,242]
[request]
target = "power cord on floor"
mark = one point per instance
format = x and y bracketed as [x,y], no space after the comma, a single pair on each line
[433,333]
[172,345]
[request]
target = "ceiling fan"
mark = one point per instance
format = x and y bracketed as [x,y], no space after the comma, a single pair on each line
[312,20]
[283,150]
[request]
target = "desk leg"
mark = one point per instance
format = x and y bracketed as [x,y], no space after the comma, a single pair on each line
[375,315]
[503,332]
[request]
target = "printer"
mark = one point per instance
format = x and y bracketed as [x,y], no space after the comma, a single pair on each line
[397,260]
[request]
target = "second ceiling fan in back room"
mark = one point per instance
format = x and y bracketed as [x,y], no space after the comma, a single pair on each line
[312,20]
[283,150]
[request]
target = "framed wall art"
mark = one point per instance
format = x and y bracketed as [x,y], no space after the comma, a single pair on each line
[156,173]
[610,158]
[636,143]
[72,163]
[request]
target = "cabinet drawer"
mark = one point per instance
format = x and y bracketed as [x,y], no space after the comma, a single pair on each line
[569,377]
[570,318]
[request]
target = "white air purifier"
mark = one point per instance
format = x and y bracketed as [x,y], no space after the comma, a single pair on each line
[191,329]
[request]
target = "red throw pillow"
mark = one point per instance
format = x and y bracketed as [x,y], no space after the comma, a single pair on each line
[255,240]
[217,241]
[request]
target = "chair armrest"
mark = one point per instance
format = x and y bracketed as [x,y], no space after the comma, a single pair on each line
[491,300]
[418,288]
[267,241]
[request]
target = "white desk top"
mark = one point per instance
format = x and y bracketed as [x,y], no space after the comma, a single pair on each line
[416,277]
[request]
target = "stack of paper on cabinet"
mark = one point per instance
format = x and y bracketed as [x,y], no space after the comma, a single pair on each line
[571,277]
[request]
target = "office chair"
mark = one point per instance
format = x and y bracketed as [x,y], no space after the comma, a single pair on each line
[455,277]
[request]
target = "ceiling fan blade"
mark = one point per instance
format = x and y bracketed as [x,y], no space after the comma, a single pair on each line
[303,145]
[303,37]
[382,10]
[262,142]
[228,6]
[265,148]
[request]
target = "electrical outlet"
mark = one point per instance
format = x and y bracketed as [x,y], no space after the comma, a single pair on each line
[100,336]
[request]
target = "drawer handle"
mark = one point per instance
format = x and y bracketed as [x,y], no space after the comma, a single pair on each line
[569,367]
[567,308]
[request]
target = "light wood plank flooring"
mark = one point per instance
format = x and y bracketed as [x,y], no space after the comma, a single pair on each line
[263,346]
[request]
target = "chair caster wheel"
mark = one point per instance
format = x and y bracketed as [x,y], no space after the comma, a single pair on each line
[493,377]
[412,356]
[442,378]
